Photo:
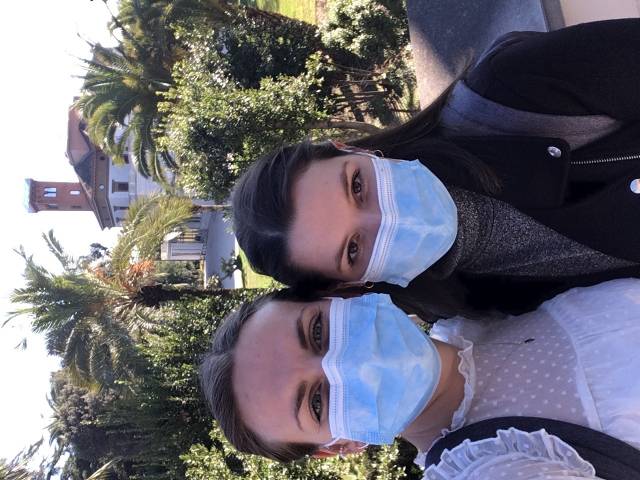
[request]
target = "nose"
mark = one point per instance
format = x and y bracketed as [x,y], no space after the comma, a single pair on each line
[370,220]
[307,368]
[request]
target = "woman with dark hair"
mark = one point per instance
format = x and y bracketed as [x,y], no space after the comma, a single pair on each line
[526,183]
[287,378]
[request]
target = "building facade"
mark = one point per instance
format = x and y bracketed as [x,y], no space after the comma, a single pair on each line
[108,188]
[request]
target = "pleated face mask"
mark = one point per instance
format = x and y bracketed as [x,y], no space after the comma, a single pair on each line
[381,368]
[419,221]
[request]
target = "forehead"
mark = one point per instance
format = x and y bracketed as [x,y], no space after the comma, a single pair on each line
[327,172]
[267,340]
[321,213]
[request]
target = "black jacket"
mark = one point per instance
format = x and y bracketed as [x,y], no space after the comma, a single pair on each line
[585,194]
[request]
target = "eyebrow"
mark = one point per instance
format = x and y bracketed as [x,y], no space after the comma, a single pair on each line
[303,386]
[345,184]
[300,332]
[298,405]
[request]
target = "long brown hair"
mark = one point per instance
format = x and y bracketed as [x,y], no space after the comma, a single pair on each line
[263,207]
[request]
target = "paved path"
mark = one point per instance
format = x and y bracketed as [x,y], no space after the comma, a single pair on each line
[220,246]
[446,32]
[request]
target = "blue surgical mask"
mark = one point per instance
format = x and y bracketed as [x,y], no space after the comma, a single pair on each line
[381,368]
[419,221]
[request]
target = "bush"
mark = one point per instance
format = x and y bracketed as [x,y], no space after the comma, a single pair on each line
[216,129]
[174,351]
[261,82]
[176,345]
[257,47]
[371,30]
[160,414]
[222,462]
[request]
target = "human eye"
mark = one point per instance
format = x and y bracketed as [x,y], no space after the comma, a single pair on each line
[352,251]
[316,404]
[356,183]
[316,331]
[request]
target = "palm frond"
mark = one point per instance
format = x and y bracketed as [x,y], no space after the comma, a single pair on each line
[67,261]
[105,471]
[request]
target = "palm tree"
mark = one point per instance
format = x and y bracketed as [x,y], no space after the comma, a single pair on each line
[123,85]
[14,471]
[130,277]
[120,95]
[119,101]
[72,310]
[18,468]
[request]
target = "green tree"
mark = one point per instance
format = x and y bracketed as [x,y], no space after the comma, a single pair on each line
[121,88]
[371,30]
[216,129]
[160,414]
[121,85]
[69,309]
[131,276]
[119,101]
[255,47]
[17,469]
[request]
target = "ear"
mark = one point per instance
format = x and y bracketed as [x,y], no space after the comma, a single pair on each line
[356,288]
[322,453]
[343,448]
[348,289]
[353,446]
[339,145]
[349,148]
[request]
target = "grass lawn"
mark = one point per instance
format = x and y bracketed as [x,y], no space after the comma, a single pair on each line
[251,279]
[300,9]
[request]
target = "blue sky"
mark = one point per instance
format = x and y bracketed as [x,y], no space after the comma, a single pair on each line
[39,46]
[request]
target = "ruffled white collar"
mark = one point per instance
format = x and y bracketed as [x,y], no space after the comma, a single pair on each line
[454,463]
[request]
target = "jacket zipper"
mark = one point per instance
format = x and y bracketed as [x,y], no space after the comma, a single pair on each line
[594,161]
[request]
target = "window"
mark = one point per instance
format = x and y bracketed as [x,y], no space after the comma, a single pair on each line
[52,206]
[120,209]
[50,192]
[125,157]
[76,207]
[74,192]
[119,186]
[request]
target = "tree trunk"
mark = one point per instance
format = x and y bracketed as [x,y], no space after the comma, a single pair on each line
[154,295]
[353,105]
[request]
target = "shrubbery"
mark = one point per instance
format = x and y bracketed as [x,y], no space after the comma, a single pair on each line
[222,462]
[255,84]
[175,349]
[373,31]
[161,429]
[216,129]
